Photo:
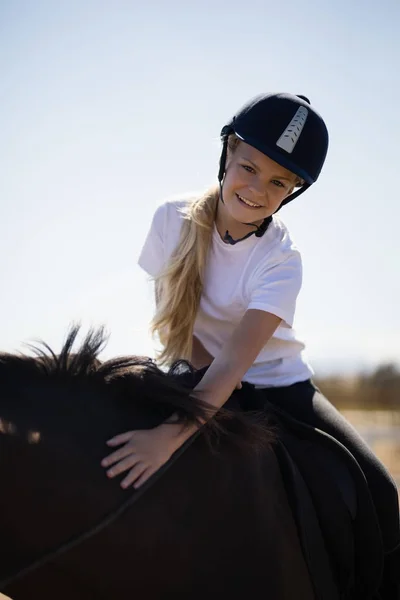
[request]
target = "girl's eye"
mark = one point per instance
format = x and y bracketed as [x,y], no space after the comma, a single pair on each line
[248,169]
[277,183]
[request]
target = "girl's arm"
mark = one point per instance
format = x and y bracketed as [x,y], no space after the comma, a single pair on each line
[143,452]
[235,358]
[202,358]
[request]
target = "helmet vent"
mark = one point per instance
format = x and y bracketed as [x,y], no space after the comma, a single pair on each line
[291,135]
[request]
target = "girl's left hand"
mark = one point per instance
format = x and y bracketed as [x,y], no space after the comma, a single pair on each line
[143,452]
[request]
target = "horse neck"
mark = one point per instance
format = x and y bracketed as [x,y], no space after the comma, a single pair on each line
[53,486]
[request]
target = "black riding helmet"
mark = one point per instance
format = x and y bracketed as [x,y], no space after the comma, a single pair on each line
[287,129]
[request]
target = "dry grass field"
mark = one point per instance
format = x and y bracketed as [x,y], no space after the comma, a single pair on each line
[371,402]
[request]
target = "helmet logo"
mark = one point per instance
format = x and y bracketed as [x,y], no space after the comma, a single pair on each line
[291,135]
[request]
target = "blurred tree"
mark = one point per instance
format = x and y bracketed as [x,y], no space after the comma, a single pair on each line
[386,376]
[379,389]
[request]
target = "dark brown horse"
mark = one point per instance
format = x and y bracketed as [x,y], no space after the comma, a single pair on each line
[214,522]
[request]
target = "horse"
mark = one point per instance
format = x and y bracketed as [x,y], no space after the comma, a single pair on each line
[217,520]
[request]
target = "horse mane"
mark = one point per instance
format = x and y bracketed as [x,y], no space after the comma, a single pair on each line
[46,363]
[169,391]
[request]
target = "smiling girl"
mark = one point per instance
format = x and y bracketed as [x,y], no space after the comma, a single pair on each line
[227,278]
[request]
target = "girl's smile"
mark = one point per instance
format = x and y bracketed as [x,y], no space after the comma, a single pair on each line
[247,203]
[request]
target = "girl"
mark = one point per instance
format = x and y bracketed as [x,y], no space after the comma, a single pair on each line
[227,277]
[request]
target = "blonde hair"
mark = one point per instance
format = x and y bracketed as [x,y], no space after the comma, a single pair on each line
[179,287]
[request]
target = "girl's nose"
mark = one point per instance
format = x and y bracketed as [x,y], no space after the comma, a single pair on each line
[258,189]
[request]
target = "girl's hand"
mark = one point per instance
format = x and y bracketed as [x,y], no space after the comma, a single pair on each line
[142,453]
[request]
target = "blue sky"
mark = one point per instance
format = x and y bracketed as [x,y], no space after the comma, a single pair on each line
[109,107]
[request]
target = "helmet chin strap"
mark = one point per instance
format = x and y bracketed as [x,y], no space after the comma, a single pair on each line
[259,229]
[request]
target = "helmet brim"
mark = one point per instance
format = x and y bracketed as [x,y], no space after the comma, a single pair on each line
[275,155]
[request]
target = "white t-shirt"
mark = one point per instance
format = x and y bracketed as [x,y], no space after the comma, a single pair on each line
[263,273]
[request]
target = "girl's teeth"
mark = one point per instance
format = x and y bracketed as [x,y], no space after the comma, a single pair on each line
[247,202]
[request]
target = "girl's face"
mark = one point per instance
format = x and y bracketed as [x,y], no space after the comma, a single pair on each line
[253,189]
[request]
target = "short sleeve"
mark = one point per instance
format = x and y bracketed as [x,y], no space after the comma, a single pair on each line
[275,289]
[152,255]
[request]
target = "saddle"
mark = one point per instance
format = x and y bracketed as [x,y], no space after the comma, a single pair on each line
[331,502]
[332,506]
